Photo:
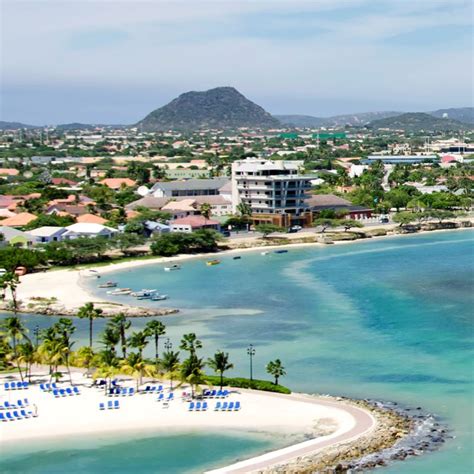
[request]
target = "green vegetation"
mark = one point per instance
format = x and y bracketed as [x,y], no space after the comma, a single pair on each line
[204,240]
[240,382]
[267,229]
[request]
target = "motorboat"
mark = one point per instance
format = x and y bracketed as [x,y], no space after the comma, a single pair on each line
[213,262]
[173,267]
[238,257]
[157,297]
[264,253]
[120,291]
[143,293]
[281,251]
[108,284]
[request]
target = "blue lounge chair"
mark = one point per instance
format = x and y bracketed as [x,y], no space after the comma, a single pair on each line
[9,416]
[191,406]
[62,392]
[147,389]
[17,415]
[218,406]
[42,387]
[225,393]
[25,385]
[206,393]
[224,406]
[48,387]
[7,386]
[20,404]
[24,414]
[54,385]
[237,406]
[2,417]
[2,406]
[76,391]
[131,391]
[160,388]
[101,406]
[198,406]
[110,405]
[213,393]
[116,404]
[56,393]
[219,394]
[231,406]
[9,406]
[204,406]
[160,398]
[170,396]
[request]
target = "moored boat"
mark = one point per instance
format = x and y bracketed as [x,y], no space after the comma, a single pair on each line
[120,291]
[108,284]
[159,297]
[213,262]
[173,267]
[265,253]
[238,257]
[281,251]
[143,293]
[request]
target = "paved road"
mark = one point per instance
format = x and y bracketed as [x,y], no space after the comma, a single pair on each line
[364,422]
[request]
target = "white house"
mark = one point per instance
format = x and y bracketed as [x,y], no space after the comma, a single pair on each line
[88,230]
[47,234]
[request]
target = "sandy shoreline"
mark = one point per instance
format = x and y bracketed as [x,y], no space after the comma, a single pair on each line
[68,286]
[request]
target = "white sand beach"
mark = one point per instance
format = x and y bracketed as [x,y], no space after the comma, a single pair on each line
[294,415]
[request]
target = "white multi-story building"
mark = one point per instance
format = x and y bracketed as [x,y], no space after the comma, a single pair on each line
[275,190]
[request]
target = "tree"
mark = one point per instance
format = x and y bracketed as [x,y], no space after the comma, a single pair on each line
[138,340]
[65,329]
[349,223]
[155,329]
[191,371]
[267,229]
[26,355]
[126,240]
[220,363]
[170,364]
[120,323]
[404,218]
[206,210]
[10,281]
[109,338]
[276,369]
[135,366]
[244,209]
[190,342]
[15,331]
[88,311]
[325,223]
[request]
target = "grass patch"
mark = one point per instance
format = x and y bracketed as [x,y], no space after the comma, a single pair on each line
[241,382]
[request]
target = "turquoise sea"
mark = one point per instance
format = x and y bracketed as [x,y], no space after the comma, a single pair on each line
[390,319]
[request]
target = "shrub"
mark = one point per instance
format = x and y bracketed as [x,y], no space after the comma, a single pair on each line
[241,382]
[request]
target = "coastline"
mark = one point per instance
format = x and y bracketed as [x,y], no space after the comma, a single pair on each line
[62,292]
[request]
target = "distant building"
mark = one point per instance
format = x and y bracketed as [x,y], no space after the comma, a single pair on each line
[192,223]
[48,234]
[320,202]
[191,187]
[400,159]
[274,190]
[18,220]
[16,238]
[118,183]
[88,230]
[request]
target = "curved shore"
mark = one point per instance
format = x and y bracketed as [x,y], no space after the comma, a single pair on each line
[62,292]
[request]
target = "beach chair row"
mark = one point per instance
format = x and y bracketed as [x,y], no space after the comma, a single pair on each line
[121,392]
[48,387]
[153,389]
[111,405]
[215,393]
[15,415]
[66,392]
[161,397]
[11,406]
[227,406]
[198,406]
[16,385]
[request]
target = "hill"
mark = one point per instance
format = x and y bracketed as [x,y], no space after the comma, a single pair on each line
[15,125]
[309,121]
[222,107]
[461,114]
[417,122]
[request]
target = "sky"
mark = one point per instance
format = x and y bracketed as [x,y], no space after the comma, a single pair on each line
[108,61]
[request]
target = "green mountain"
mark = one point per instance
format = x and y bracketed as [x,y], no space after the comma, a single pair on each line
[417,122]
[222,107]
[15,126]
[462,114]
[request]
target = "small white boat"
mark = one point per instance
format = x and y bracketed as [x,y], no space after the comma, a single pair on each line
[173,267]
[120,291]
[144,293]
[159,297]
[108,284]
[264,253]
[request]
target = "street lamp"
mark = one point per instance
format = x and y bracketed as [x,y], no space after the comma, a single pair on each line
[251,353]
[168,344]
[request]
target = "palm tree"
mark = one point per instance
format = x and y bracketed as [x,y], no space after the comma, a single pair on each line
[190,343]
[54,352]
[121,324]
[109,338]
[108,366]
[135,365]
[206,210]
[89,312]
[15,331]
[27,355]
[276,369]
[170,364]
[155,329]
[138,340]
[191,372]
[220,363]
[10,280]
[65,329]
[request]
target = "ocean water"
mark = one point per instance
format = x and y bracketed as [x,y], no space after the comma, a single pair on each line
[390,319]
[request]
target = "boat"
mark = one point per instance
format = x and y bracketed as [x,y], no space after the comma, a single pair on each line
[120,291]
[213,262]
[281,251]
[238,257]
[143,293]
[108,284]
[264,253]
[173,267]
[159,297]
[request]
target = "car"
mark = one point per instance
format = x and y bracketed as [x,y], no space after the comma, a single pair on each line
[293,229]
[225,233]
[384,220]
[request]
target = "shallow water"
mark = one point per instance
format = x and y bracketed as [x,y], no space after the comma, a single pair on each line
[389,319]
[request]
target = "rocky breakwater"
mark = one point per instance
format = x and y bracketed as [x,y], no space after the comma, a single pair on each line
[52,307]
[400,433]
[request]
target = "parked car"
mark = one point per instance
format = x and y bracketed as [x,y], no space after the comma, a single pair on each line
[384,219]
[225,233]
[293,229]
